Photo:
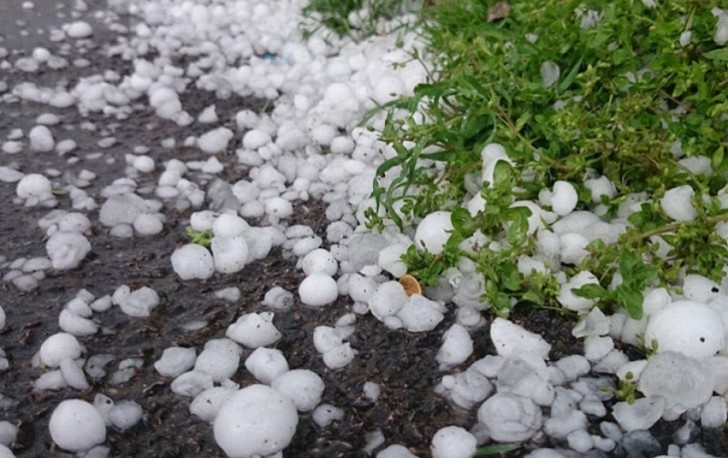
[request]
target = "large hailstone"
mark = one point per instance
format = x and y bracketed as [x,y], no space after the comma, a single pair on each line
[683,381]
[255,421]
[677,203]
[303,386]
[453,442]
[193,261]
[58,347]
[77,426]
[510,418]
[433,232]
[687,327]
[67,249]
[318,289]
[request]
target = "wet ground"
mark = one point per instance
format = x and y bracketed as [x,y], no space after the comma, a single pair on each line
[403,364]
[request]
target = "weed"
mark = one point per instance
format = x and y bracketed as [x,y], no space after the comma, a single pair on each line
[203,238]
[573,90]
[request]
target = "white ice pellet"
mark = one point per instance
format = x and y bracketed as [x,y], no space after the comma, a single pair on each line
[510,418]
[138,303]
[206,404]
[58,347]
[433,231]
[192,261]
[148,224]
[303,386]
[41,139]
[67,249]
[453,442]
[144,164]
[420,314]
[713,414]
[72,323]
[564,198]
[677,203]
[255,421]
[340,356]
[596,348]
[387,300]
[77,426]
[266,364]
[175,361]
[278,298]
[78,29]
[456,347]
[687,327]
[325,414]
[125,414]
[641,414]
[512,340]
[318,289]
[390,259]
[229,254]
[319,260]
[191,383]
[73,374]
[254,330]
[220,358]
[34,188]
[396,451]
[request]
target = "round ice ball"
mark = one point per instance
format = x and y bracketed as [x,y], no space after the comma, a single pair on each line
[687,327]
[303,386]
[453,442]
[433,232]
[33,185]
[77,426]
[256,420]
[677,203]
[564,198]
[319,260]
[318,289]
[193,261]
[229,225]
[58,347]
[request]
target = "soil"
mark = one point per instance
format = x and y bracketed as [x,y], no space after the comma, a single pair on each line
[402,363]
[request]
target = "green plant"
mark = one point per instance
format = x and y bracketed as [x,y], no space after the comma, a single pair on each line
[203,238]
[627,390]
[335,14]
[572,89]
[496,449]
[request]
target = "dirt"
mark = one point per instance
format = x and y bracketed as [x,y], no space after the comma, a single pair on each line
[402,363]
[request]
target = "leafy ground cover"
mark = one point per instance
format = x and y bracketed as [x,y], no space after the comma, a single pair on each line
[625,102]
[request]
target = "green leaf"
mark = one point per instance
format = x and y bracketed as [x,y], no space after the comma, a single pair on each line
[502,173]
[518,231]
[717,54]
[630,300]
[462,222]
[592,291]
[496,449]
[717,158]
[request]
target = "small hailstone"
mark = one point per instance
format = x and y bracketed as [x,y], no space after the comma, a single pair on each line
[78,29]
[512,340]
[227,225]
[255,421]
[456,347]
[58,347]
[34,186]
[453,442]
[266,364]
[148,224]
[677,203]
[191,383]
[67,249]
[215,141]
[138,303]
[510,418]
[433,232]
[318,289]
[73,374]
[714,413]
[175,361]
[255,138]
[325,414]
[207,404]
[396,451]
[278,298]
[192,261]
[302,386]
[229,254]
[41,139]
[550,73]
[596,348]
[319,260]
[144,164]
[340,356]
[220,359]
[208,115]
[420,314]
[254,330]
[77,426]
[390,259]
[641,414]
[564,198]
[387,300]
[125,414]
[371,390]
[8,433]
